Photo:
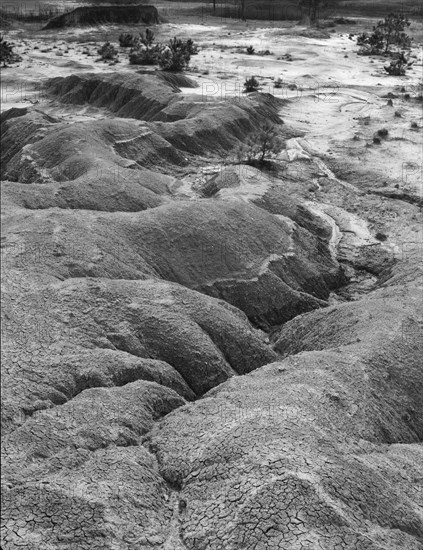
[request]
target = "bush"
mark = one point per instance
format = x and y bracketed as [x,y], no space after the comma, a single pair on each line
[381,236]
[398,66]
[251,84]
[6,53]
[384,35]
[142,55]
[383,132]
[261,145]
[107,52]
[172,57]
[176,55]
[250,50]
[371,44]
[128,40]
[278,83]
[414,125]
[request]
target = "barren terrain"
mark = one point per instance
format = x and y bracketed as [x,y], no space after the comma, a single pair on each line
[201,354]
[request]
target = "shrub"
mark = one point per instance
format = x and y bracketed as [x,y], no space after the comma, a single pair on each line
[6,53]
[381,236]
[143,55]
[383,132]
[398,66]
[251,84]
[261,145]
[371,44]
[278,83]
[414,125]
[384,35]
[176,55]
[107,52]
[128,40]
[250,50]
[376,140]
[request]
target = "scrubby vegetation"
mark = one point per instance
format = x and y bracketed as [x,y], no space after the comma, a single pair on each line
[128,40]
[251,51]
[148,38]
[387,33]
[145,55]
[108,52]
[251,84]
[175,56]
[7,55]
[261,146]
[398,66]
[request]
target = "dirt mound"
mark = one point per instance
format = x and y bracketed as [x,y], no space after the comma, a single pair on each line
[265,265]
[102,333]
[140,96]
[324,446]
[12,113]
[113,190]
[189,123]
[38,149]
[98,15]
[105,477]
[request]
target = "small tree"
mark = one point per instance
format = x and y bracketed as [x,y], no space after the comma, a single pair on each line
[385,34]
[250,50]
[148,38]
[107,52]
[261,145]
[251,84]
[191,47]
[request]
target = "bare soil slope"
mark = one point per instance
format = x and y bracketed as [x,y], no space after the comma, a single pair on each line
[198,354]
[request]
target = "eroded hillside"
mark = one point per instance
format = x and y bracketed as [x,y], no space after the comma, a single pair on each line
[198,354]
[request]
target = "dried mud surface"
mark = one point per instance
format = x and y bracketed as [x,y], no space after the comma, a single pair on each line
[200,355]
